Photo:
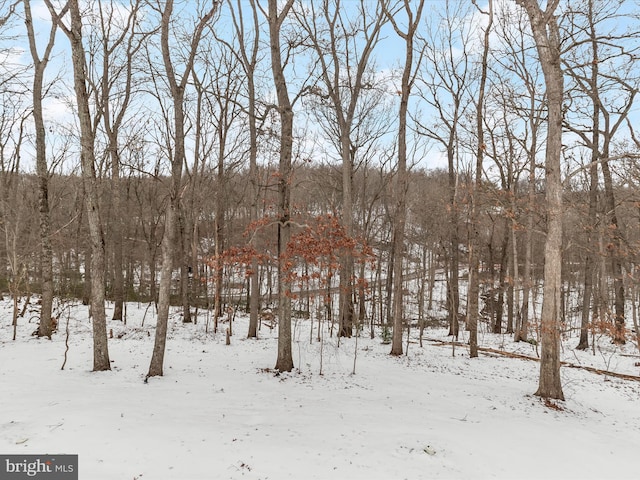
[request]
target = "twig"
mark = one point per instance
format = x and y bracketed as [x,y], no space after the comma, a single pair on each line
[66,340]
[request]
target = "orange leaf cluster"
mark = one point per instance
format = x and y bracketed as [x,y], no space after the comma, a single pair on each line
[322,244]
[238,258]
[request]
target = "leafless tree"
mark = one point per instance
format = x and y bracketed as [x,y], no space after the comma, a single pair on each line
[88,123]
[177,86]
[343,44]
[42,169]
[247,29]
[275,18]
[517,75]
[446,81]
[474,257]
[410,68]
[546,33]
[600,59]
[119,42]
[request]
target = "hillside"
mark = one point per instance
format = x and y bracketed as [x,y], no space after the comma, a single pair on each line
[221,412]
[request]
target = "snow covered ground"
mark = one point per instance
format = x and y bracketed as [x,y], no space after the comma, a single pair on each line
[221,413]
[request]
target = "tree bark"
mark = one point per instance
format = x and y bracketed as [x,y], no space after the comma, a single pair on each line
[46,259]
[402,175]
[171,216]
[87,160]
[546,33]
[474,244]
[284,362]
[249,58]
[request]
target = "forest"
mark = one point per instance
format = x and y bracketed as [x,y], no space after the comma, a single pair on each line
[378,165]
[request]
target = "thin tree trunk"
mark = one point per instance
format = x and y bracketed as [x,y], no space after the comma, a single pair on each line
[172,210]
[474,244]
[514,285]
[589,261]
[614,250]
[186,269]
[346,262]
[402,175]
[118,242]
[502,274]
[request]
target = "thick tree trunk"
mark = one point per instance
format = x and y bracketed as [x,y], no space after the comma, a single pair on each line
[346,262]
[87,159]
[547,37]
[284,362]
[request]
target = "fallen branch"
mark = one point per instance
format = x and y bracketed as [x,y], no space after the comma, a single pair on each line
[520,356]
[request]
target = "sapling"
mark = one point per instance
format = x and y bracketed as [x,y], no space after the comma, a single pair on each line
[66,334]
[355,350]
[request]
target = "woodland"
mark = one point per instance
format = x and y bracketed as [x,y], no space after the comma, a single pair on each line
[380,166]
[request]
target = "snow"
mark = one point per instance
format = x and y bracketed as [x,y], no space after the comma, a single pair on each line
[220,412]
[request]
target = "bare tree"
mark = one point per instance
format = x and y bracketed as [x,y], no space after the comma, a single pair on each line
[446,80]
[42,170]
[275,18]
[343,47]
[177,86]
[88,163]
[119,43]
[14,208]
[600,60]
[546,33]
[518,87]
[248,49]
[474,256]
[410,68]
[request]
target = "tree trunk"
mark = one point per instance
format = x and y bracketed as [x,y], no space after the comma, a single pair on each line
[87,159]
[171,216]
[254,301]
[284,362]
[186,269]
[547,37]
[156,367]
[502,274]
[589,261]
[346,262]
[453,290]
[402,175]
[248,54]
[117,236]
[474,243]
[614,250]
[522,332]
[46,259]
